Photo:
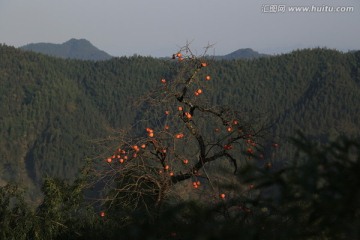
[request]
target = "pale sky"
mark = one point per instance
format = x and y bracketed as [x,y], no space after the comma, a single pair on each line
[160,27]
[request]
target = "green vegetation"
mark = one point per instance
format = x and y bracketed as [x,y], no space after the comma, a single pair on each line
[57,114]
[53,110]
[316,197]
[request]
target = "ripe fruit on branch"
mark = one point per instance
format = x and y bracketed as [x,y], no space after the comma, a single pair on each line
[222,195]
[203,64]
[180,108]
[188,115]
[185,161]
[250,150]
[179,135]
[227,147]
[136,148]
[196,184]
[150,132]
[207,78]
[163,80]
[275,145]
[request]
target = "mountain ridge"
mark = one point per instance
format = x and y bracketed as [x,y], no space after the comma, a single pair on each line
[83,49]
[242,53]
[80,49]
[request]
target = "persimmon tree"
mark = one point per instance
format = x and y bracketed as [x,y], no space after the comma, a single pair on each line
[180,132]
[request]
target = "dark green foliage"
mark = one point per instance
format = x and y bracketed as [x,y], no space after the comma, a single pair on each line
[15,215]
[63,213]
[316,197]
[54,111]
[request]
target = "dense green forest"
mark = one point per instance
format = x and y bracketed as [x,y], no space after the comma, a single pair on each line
[54,110]
[59,114]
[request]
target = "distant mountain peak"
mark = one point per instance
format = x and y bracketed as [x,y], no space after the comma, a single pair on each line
[78,41]
[242,53]
[81,49]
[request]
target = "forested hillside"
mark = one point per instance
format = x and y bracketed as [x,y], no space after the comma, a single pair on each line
[55,112]
[80,49]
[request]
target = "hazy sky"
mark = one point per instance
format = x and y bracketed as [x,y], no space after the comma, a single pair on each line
[160,27]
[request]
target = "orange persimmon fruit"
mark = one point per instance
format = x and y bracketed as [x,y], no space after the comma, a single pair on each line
[188,115]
